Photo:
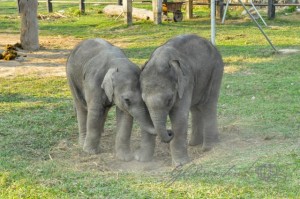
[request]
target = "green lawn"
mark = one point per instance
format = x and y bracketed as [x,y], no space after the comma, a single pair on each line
[259,118]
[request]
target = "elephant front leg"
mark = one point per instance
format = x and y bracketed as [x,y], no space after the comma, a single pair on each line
[178,146]
[124,128]
[146,150]
[95,126]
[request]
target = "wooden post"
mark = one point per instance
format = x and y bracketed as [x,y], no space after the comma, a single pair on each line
[18,5]
[157,11]
[82,6]
[221,8]
[49,6]
[271,9]
[29,25]
[189,9]
[127,9]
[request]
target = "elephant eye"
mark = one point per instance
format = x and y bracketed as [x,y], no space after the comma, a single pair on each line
[169,102]
[127,102]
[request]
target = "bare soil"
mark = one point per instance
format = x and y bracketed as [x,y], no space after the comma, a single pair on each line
[48,61]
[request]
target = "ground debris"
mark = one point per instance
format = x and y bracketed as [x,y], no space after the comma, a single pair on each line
[51,16]
[10,51]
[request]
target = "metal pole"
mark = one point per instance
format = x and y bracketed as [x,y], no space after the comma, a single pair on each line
[259,27]
[258,13]
[213,21]
[225,11]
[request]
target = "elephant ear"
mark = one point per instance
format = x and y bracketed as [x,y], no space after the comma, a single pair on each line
[182,79]
[107,83]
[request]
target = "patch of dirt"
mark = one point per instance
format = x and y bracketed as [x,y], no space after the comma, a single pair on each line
[50,60]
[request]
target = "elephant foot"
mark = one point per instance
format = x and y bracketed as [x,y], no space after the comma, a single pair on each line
[81,141]
[180,161]
[195,142]
[196,138]
[208,146]
[124,155]
[144,155]
[91,150]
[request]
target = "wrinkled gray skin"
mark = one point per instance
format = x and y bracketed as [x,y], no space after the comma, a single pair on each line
[184,75]
[100,75]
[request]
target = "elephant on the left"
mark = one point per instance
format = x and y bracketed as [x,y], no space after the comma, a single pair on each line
[100,75]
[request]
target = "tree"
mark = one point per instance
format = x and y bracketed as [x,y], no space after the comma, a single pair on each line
[29,24]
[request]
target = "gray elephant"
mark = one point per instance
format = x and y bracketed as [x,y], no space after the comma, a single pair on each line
[184,75]
[100,75]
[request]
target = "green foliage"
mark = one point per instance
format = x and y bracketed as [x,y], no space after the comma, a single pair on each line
[258,117]
[290,9]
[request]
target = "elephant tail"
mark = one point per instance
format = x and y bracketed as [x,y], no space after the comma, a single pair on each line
[77,92]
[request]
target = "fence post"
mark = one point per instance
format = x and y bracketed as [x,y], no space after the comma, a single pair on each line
[189,9]
[127,9]
[157,10]
[18,5]
[271,9]
[82,6]
[221,8]
[49,6]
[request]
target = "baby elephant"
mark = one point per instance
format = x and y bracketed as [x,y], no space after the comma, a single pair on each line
[184,75]
[99,76]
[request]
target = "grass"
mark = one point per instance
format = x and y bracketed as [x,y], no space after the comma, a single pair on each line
[259,118]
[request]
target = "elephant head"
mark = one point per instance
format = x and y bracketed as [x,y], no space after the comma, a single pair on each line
[162,83]
[121,86]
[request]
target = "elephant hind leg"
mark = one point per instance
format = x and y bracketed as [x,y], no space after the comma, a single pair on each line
[196,137]
[81,114]
[211,132]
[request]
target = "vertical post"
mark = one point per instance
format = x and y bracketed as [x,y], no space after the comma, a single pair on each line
[120,2]
[82,6]
[49,6]
[157,11]
[18,5]
[271,9]
[29,36]
[221,8]
[189,9]
[213,21]
[127,9]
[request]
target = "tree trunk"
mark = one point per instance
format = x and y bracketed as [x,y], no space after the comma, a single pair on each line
[29,24]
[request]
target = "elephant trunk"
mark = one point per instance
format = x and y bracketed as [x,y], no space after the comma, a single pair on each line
[143,119]
[159,119]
